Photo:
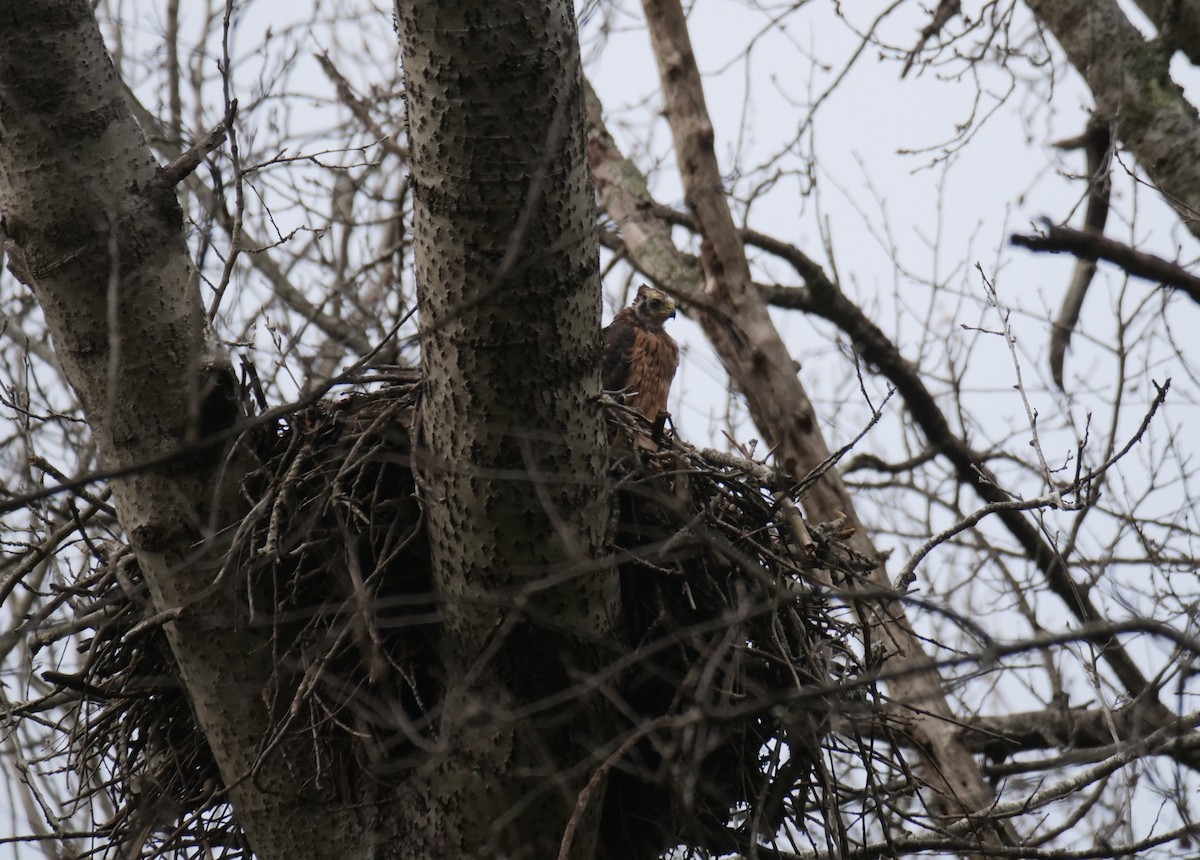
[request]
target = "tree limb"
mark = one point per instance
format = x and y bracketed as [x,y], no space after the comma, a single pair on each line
[358,107]
[1089,246]
[1131,83]
[510,465]
[946,9]
[1178,22]
[1092,732]
[1097,144]
[735,319]
[191,158]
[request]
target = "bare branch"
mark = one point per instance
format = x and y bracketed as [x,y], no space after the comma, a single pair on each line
[191,158]
[360,109]
[945,11]
[736,321]
[1097,143]
[1089,246]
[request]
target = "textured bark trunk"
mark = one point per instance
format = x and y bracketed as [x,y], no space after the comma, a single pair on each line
[95,230]
[1178,21]
[1130,80]
[512,435]
[512,431]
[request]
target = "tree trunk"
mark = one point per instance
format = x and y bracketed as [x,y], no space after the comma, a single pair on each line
[95,230]
[510,426]
[1131,82]
[512,456]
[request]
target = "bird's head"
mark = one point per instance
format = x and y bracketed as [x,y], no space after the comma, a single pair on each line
[653,307]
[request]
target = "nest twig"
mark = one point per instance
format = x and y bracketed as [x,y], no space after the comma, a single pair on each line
[735,662]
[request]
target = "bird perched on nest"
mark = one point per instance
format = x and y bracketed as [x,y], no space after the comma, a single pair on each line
[638,358]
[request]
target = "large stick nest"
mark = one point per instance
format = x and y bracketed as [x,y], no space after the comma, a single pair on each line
[735,659]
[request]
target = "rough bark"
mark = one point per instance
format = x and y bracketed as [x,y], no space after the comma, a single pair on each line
[1131,83]
[507,268]
[1178,21]
[95,230]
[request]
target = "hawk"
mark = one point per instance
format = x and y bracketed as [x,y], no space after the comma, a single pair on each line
[638,358]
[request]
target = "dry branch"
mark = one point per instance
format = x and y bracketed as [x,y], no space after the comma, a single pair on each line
[291,295]
[1096,141]
[359,107]
[735,319]
[1089,246]
[945,11]
[191,158]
